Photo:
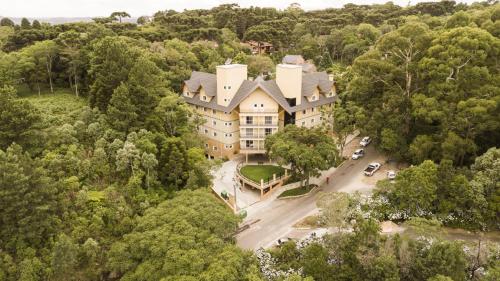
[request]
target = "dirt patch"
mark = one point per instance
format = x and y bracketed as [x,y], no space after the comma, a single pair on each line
[389,227]
[308,222]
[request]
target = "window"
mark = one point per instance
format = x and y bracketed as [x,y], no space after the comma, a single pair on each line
[215,134]
[224,87]
[230,124]
[268,131]
[214,111]
[312,120]
[205,109]
[249,120]
[320,118]
[196,106]
[313,98]
[206,145]
[214,122]
[312,109]
[225,124]
[229,87]
[268,120]
[228,135]
[214,148]
[304,111]
[249,144]
[225,99]
[261,105]
[228,146]
[206,131]
[249,132]
[204,97]
[254,105]
[303,123]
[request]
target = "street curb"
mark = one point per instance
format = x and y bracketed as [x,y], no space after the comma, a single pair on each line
[297,196]
[342,163]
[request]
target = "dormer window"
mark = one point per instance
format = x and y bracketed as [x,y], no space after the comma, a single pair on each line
[204,98]
[229,87]
[254,105]
[261,105]
[313,98]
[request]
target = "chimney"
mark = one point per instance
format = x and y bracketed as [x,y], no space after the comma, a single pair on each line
[229,79]
[289,80]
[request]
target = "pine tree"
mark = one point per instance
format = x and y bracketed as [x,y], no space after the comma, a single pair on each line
[173,164]
[121,112]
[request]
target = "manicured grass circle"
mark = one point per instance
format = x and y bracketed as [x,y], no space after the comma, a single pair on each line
[258,172]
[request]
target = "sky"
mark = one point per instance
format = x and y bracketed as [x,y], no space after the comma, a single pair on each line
[92,8]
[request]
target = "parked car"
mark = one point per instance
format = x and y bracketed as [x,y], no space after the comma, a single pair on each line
[372,168]
[365,141]
[282,241]
[391,174]
[358,154]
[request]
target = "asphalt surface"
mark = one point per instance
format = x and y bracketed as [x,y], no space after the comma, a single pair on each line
[276,219]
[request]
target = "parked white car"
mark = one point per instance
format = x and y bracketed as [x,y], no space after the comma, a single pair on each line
[365,141]
[372,168]
[391,174]
[358,154]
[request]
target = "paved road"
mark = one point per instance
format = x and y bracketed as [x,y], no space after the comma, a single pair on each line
[276,219]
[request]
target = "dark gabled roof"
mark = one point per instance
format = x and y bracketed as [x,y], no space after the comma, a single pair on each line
[206,80]
[269,87]
[305,104]
[211,104]
[311,81]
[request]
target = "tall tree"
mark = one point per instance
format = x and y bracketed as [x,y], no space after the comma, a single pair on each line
[173,164]
[121,112]
[6,22]
[119,15]
[341,122]
[71,44]
[199,250]
[25,23]
[111,60]
[308,151]
[19,122]
[30,201]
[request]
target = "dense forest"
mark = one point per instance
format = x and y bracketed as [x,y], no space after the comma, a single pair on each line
[103,176]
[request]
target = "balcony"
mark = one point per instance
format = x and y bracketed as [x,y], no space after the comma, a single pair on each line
[273,124]
[250,133]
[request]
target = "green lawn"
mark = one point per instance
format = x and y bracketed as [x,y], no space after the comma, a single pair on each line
[297,191]
[258,172]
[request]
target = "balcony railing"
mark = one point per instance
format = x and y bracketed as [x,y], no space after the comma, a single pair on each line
[259,124]
[253,148]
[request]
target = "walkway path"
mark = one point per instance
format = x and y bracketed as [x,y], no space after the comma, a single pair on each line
[223,181]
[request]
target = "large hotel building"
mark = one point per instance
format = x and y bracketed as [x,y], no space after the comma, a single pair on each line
[240,113]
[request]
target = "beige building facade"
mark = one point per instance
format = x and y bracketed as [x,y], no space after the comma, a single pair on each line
[239,113]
